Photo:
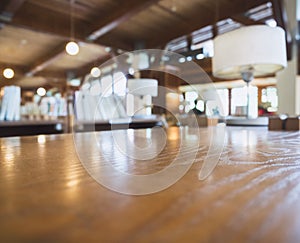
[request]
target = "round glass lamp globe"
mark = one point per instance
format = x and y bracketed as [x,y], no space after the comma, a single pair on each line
[95,72]
[41,91]
[8,73]
[72,48]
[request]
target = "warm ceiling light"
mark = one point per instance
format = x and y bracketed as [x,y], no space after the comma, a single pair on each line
[95,72]
[72,48]
[8,73]
[41,91]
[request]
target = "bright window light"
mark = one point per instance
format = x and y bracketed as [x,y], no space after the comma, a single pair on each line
[119,83]
[106,83]
[190,97]
[239,100]
[95,88]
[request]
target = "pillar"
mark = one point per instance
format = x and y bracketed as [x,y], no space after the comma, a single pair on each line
[287,82]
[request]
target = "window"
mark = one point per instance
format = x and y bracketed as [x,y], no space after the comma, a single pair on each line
[218,107]
[200,105]
[239,101]
[269,99]
[119,83]
[190,98]
[106,83]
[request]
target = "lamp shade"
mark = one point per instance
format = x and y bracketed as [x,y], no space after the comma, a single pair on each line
[258,48]
[142,86]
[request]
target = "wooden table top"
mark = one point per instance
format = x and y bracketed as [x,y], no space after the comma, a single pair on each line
[253,194]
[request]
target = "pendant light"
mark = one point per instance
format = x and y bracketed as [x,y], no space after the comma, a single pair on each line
[95,72]
[72,48]
[246,53]
[8,73]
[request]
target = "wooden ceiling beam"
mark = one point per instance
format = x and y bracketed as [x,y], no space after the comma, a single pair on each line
[244,20]
[87,68]
[54,75]
[18,69]
[124,12]
[229,8]
[115,41]
[104,25]
[8,8]
[52,22]
[171,12]
[60,26]
[45,61]
[3,5]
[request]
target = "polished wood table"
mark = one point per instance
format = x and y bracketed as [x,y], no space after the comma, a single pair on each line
[253,195]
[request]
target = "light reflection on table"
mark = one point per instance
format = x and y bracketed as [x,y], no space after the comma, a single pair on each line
[253,194]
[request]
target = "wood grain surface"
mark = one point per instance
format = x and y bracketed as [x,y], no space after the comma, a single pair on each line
[253,195]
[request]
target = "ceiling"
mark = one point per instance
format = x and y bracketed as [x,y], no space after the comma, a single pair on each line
[33,33]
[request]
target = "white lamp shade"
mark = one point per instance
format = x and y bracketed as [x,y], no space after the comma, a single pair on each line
[259,47]
[142,86]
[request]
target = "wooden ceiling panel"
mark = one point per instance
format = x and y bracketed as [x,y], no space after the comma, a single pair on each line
[88,53]
[32,82]
[200,17]
[82,9]
[165,18]
[22,47]
[123,13]
[149,24]
[33,32]
[46,20]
